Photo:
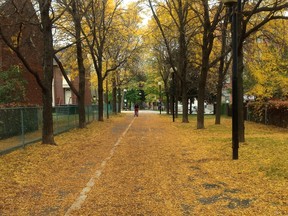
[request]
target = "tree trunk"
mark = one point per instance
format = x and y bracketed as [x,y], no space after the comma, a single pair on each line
[221,75]
[101,99]
[185,102]
[221,72]
[207,41]
[200,108]
[182,66]
[80,61]
[81,104]
[176,106]
[201,90]
[48,53]
[218,101]
[114,95]
[167,102]
[119,99]
[47,129]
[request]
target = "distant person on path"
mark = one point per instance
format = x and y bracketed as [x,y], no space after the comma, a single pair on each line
[136,110]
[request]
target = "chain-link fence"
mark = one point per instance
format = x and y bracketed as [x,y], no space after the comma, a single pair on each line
[22,126]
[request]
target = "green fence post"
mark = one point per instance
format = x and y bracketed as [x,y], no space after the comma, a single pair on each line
[56,120]
[87,110]
[22,128]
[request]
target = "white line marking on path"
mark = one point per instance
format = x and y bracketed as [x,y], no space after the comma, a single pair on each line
[84,193]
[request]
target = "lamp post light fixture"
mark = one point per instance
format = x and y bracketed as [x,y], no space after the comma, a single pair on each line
[235,118]
[160,97]
[229,3]
[124,100]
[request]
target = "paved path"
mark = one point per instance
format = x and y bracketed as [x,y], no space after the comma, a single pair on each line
[144,165]
[127,181]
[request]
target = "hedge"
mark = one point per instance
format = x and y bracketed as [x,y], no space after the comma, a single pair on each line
[271,112]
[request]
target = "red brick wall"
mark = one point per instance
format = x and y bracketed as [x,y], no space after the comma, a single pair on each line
[88,96]
[58,88]
[30,46]
[59,96]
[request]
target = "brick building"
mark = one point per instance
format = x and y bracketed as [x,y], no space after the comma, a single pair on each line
[13,25]
[62,94]
[18,24]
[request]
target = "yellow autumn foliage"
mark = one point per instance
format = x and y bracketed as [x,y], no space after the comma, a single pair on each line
[267,62]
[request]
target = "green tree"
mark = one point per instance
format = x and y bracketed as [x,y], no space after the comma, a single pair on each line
[253,17]
[12,86]
[104,37]
[76,10]
[209,18]
[133,96]
[266,76]
[174,20]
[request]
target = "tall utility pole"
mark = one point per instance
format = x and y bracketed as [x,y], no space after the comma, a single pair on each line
[235,5]
[160,97]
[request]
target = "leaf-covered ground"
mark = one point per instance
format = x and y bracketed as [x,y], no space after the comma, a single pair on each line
[157,167]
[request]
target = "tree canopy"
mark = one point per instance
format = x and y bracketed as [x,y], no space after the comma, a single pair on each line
[108,41]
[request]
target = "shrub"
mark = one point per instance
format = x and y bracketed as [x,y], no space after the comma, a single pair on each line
[12,85]
[272,112]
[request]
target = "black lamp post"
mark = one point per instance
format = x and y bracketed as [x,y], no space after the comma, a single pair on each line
[107,98]
[160,97]
[235,119]
[173,91]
